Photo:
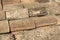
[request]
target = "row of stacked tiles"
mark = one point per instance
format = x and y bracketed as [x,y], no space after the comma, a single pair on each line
[24,24]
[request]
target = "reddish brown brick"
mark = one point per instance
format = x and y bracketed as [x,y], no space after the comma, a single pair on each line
[7,2]
[44,21]
[21,24]
[4,27]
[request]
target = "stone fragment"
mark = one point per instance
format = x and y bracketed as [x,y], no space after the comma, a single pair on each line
[38,11]
[24,24]
[17,14]
[2,15]
[4,26]
[7,2]
[6,37]
[44,21]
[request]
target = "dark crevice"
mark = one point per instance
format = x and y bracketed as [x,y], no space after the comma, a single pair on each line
[14,37]
[9,27]
[2,4]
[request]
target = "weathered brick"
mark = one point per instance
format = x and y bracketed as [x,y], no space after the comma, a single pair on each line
[2,15]
[31,5]
[17,14]
[6,37]
[7,2]
[27,1]
[42,1]
[43,21]
[24,24]
[4,27]
[38,11]
[12,7]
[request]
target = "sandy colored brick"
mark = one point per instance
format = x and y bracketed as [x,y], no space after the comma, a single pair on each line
[11,7]
[31,5]
[38,11]
[44,21]
[24,24]
[7,2]
[6,37]
[4,26]
[27,1]
[17,14]
[2,15]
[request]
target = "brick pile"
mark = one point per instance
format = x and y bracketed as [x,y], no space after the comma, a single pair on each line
[29,19]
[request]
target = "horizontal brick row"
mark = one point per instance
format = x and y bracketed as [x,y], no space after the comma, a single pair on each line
[31,23]
[26,24]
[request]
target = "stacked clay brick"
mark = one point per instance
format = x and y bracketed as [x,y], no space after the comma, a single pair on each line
[20,15]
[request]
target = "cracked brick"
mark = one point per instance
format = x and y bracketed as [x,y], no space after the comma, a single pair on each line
[4,26]
[23,24]
[17,14]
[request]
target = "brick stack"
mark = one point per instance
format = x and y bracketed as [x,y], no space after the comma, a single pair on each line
[19,18]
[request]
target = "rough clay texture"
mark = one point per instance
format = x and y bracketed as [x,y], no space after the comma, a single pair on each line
[29,19]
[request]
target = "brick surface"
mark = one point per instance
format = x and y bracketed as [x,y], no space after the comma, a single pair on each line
[12,7]
[38,11]
[2,15]
[46,20]
[7,2]
[4,28]
[31,5]
[6,37]
[22,24]
[27,1]
[17,14]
